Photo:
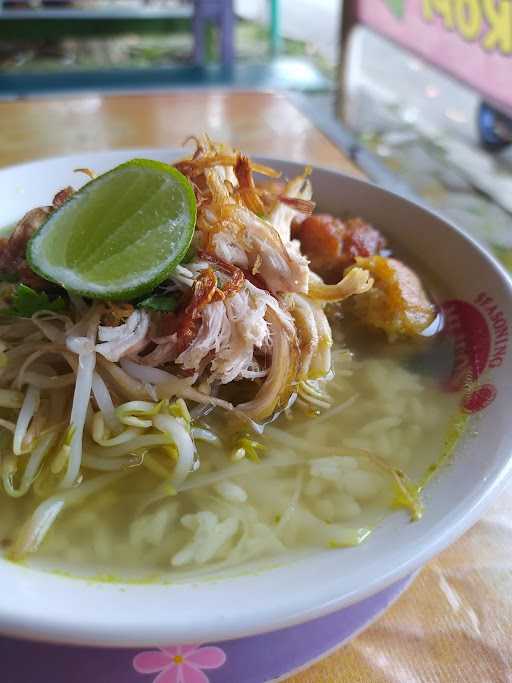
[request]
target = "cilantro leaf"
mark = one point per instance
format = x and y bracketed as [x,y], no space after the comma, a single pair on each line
[26,301]
[165,303]
[8,277]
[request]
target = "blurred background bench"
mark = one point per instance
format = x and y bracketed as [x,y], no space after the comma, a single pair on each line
[43,25]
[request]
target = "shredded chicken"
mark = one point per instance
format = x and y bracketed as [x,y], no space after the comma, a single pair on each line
[315,338]
[356,281]
[291,203]
[278,385]
[228,224]
[266,304]
[307,329]
[204,291]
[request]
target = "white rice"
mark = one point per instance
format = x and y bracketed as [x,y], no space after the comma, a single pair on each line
[260,511]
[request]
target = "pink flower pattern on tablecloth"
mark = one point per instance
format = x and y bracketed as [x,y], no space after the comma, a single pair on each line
[180,663]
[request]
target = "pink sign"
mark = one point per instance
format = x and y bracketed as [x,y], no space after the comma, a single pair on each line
[470,39]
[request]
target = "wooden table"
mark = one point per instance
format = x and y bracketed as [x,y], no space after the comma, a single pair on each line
[262,123]
[455,623]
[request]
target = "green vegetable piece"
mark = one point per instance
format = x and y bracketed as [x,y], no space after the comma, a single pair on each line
[165,303]
[119,236]
[26,301]
[8,277]
[251,449]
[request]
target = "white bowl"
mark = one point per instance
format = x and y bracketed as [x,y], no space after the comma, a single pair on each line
[40,605]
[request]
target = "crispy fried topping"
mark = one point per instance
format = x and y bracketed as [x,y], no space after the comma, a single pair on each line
[116,313]
[62,196]
[246,185]
[204,291]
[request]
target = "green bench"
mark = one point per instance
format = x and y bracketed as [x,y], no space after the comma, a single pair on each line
[57,20]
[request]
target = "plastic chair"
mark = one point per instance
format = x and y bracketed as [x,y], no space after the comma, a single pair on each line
[220,14]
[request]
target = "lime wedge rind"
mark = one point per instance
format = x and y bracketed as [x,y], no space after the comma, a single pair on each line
[105,243]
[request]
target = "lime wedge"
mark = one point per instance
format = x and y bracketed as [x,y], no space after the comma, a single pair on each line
[120,235]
